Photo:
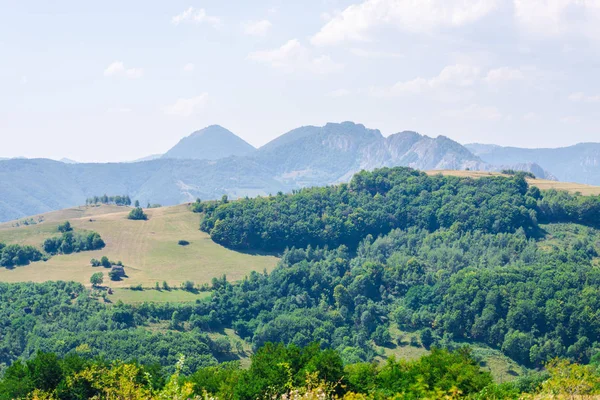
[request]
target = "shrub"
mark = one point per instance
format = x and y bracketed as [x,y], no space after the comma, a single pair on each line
[65,227]
[105,262]
[183,243]
[188,286]
[136,287]
[137,214]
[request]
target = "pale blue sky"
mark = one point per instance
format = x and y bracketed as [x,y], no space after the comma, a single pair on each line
[118,80]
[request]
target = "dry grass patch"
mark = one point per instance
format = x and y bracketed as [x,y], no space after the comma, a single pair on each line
[148,249]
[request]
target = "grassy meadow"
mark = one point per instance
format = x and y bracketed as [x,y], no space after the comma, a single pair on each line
[543,184]
[148,249]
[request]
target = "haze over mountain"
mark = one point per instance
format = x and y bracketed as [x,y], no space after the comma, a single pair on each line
[211,143]
[314,155]
[579,163]
[214,162]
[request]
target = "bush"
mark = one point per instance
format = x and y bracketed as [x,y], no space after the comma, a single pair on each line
[136,287]
[188,286]
[183,243]
[137,214]
[105,262]
[66,227]
[114,276]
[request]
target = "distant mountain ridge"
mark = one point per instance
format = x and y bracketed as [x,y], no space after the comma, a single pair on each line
[214,162]
[211,143]
[312,155]
[579,163]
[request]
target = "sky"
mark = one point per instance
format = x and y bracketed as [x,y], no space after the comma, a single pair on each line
[119,80]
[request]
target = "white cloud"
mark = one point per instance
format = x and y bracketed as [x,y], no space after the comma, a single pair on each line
[24,80]
[451,78]
[187,107]
[339,93]
[374,54]
[459,75]
[475,112]
[119,110]
[531,116]
[117,68]
[196,15]
[504,74]
[356,21]
[570,119]
[257,28]
[293,56]
[189,67]
[584,98]
[557,17]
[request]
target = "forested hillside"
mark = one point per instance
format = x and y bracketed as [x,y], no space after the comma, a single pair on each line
[394,254]
[459,258]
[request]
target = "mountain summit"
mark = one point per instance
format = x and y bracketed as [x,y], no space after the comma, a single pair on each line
[211,143]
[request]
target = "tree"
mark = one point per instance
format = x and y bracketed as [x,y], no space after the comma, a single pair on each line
[137,204]
[105,262]
[66,227]
[97,279]
[427,338]
[137,214]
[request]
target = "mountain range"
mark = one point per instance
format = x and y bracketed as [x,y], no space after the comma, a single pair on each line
[579,163]
[213,162]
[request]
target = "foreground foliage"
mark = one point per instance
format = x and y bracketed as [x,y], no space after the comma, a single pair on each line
[280,372]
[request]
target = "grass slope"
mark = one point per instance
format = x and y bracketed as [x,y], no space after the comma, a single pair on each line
[155,296]
[148,249]
[543,184]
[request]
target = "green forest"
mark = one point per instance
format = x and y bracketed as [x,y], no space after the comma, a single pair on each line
[453,261]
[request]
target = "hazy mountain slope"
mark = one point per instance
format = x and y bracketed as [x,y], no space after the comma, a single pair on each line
[29,187]
[211,143]
[579,163]
[317,155]
[148,158]
[321,155]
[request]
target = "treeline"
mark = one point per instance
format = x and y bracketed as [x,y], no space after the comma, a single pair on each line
[374,203]
[279,372]
[13,255]
[72,242]
[526,174]
[118,200]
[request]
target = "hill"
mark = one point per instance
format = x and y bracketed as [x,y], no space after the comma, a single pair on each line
[543,184]
[211,143]
[307,156]
[578,163]
[148,249]
[35,186]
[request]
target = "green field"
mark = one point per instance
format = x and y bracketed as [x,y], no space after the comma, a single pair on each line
[148,249]
[502,368]
[129,296]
